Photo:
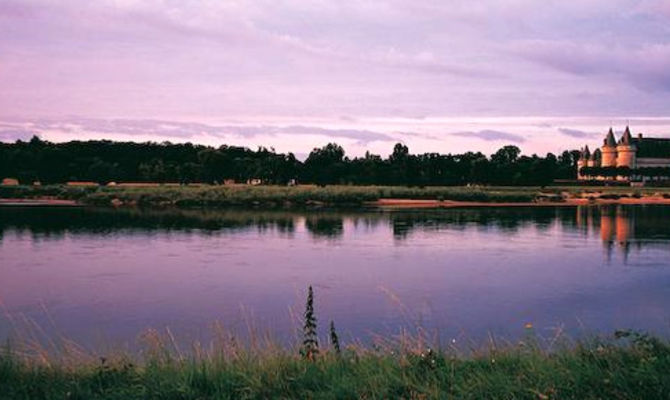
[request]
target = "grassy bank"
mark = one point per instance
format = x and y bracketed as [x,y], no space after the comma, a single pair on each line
[236,195]
[636,368]
[304,195]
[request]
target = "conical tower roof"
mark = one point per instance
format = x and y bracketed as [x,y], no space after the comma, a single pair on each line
[626,139]
[586,153]
[597,155]
[609,140]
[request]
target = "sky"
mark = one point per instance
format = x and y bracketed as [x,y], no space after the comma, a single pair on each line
[445,76]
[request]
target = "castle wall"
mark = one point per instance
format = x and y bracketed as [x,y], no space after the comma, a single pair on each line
[653,162]
[609,156]
[625,156]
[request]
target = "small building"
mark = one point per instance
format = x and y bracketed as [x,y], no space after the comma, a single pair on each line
[254,182]
[10,182]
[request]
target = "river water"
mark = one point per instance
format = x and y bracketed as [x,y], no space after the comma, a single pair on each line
[102,275]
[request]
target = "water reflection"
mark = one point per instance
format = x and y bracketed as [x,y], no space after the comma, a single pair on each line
[479,269]
[325,226]
[626,227]
[617,225]
[54,223]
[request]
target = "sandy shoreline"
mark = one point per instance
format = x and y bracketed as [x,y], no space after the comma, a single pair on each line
[416,203]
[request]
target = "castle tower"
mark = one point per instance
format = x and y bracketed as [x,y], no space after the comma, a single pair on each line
[608,151]
[583,161]
[595,159]
[626,151]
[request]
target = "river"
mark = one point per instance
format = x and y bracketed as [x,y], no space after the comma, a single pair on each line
[102,275]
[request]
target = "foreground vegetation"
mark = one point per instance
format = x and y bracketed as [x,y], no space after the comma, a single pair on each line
[636,368]
[631,365]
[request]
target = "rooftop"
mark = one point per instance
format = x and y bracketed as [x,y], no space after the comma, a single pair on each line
[652,147]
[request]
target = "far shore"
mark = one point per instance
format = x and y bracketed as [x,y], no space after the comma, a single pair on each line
[397,203]
[420,203]
[311,196]
[39,202]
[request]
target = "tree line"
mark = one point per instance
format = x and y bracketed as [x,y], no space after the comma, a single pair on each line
[105,161]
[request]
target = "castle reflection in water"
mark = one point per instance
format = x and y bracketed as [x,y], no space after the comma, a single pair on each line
[626,227]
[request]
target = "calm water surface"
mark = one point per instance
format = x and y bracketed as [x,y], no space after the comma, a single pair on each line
[101,275]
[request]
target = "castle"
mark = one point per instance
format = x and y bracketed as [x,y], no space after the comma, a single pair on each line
[638,154]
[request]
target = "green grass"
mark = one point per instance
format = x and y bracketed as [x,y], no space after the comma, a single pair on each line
[305,195]
[222,196]
[634,369]
[48,191]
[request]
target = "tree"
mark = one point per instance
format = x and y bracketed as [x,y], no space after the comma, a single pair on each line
[399,161]
[153,171]
[623,171]
[188,172]
[400,154]
[506,155]
[104,161]
[101,171]
[325,165]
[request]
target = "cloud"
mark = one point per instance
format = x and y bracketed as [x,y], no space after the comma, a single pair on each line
[210,60]
[650,121]
[427,62]
[575,133]
[492,135]
[362,136]
[181,130]
[647,66]
[13,134]
[14,9]
[377,135]
[417,135]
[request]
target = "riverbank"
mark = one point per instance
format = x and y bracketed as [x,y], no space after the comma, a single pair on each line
[194,196]
[411,204]
[39,202]
[634,369]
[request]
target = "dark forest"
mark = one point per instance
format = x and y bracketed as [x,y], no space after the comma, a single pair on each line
[106,161]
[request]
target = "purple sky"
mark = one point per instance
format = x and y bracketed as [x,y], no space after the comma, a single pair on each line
[436,75]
